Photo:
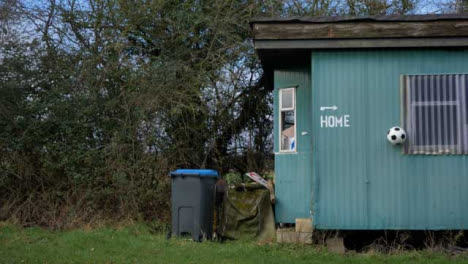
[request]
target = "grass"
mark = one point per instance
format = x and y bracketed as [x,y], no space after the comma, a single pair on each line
[136,244]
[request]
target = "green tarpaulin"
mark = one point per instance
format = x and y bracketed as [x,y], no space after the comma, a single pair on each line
[247,214]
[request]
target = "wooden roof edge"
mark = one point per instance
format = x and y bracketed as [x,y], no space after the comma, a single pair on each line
[316,44]
[345,19]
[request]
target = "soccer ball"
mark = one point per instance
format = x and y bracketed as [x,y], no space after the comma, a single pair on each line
[396,135]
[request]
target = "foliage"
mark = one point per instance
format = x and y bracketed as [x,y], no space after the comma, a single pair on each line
[103,98]
[100,99]
[350,7]
[233,178]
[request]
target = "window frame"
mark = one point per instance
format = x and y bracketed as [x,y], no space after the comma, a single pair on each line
[460,103]
[280,111]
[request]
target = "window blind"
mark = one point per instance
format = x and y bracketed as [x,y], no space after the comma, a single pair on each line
[434,113]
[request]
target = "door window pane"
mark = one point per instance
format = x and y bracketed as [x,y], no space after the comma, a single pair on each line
[287,100]
[288,137]
[287,115]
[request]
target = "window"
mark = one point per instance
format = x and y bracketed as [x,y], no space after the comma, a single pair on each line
[287,108]
[435,113]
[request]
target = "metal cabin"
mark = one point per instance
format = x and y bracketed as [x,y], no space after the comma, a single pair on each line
[340,84]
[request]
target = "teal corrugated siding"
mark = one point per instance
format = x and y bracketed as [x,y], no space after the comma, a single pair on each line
[360,180]
[293,171]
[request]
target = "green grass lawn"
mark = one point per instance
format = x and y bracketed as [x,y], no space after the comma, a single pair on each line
[135,244]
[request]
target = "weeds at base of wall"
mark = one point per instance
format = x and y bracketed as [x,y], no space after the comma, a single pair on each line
[451,242]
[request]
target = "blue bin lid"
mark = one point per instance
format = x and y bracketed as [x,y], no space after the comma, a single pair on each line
[196,172]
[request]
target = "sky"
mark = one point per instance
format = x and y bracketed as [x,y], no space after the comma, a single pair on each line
[432,6]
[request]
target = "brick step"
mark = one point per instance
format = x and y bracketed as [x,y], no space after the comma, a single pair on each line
[289,235]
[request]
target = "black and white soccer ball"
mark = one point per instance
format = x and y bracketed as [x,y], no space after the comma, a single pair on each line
[396,135]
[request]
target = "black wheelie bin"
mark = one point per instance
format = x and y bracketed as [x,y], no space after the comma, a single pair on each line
[192,197]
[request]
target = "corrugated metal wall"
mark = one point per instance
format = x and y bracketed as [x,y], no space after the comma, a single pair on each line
[360,181]
[293,171]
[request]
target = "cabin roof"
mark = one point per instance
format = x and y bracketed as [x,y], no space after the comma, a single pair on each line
[410,31]
[343,19]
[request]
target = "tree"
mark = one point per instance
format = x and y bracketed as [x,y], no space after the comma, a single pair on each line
[109,96]
[380,7]
[100,99]
[461,6]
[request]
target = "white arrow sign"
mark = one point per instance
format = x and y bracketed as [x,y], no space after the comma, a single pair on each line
[323,108]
